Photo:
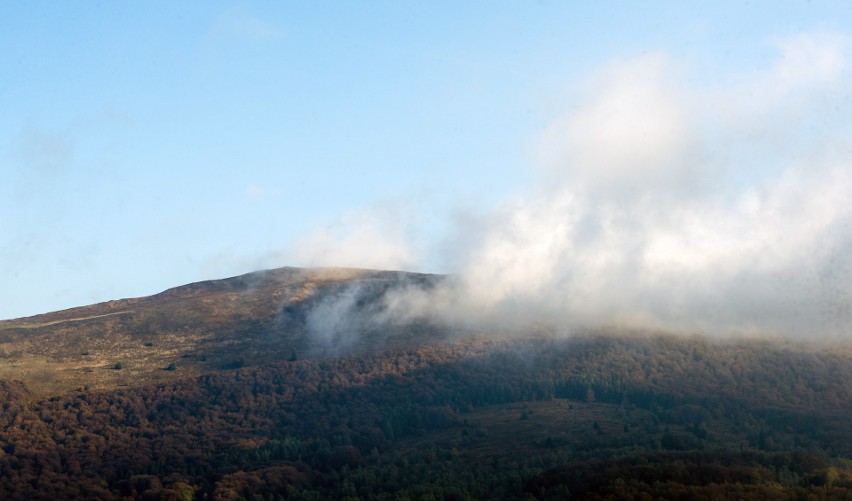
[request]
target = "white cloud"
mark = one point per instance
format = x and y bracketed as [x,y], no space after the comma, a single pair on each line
[646,216]
[808,69]
[809,59]
[375,238]
[657,207]
[634,130]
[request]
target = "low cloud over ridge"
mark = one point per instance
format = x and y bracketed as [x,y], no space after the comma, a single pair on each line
[721,209]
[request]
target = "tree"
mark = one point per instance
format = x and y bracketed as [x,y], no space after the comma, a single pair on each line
[590,395]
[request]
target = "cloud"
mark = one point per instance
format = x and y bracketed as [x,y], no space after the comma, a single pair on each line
[656,205]
[255,191]
[809,71]
[237,22]
[649,212]
[372,238]
[809,59]
[44,150]
[40,150]
[635,129]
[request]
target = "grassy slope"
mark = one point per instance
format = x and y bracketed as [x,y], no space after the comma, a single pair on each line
[200,328]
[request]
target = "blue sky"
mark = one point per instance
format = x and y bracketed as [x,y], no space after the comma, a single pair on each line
[146,145]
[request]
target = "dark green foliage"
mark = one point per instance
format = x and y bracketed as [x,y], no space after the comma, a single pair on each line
[717,474]
[472,420]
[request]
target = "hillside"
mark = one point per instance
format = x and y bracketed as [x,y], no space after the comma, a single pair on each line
[374,411]
[198,328]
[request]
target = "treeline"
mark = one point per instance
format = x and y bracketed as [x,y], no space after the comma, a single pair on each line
[695,475]
[329,428]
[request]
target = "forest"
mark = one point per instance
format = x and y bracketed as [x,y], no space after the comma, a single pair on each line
[598,416]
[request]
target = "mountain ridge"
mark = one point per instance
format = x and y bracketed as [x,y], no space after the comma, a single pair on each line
[198,327]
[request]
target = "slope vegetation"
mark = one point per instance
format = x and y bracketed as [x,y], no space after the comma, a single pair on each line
[280,384]
[200,328]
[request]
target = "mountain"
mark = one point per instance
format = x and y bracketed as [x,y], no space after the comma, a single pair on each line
[202,327]
[289,384]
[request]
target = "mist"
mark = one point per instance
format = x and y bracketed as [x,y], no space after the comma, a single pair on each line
[658,203]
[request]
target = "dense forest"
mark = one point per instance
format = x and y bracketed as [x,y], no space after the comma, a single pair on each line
[586,417]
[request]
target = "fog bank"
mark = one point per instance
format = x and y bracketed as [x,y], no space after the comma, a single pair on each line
[721,209]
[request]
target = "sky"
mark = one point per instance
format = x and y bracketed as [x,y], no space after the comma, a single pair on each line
[658,163]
